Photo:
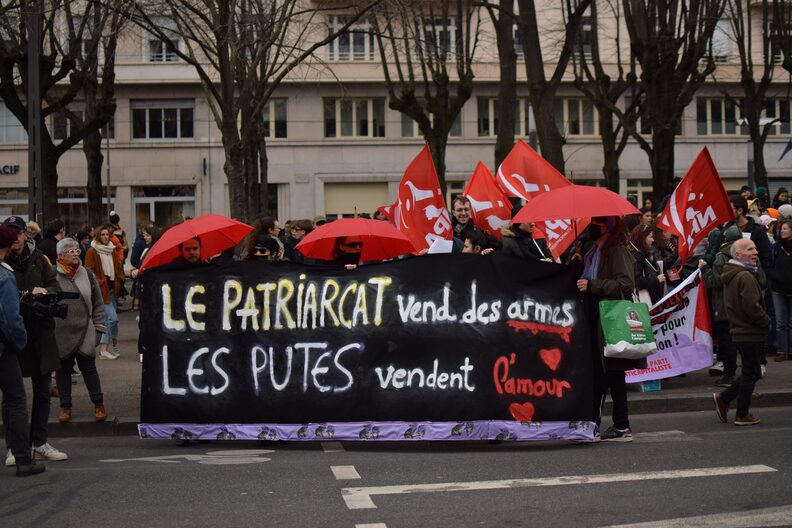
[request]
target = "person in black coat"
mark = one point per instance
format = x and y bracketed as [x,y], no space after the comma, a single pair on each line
[780,277]
[524,245]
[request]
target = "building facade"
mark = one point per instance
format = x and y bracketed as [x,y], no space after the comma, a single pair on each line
[334,146]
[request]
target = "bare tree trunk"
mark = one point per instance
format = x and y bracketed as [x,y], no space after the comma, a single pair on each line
[550,139]
[662,161]
[438,140]
[507,89]
[92,148]
[264,175]
[610,166]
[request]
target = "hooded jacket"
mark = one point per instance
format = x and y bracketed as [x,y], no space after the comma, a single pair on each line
[744,303]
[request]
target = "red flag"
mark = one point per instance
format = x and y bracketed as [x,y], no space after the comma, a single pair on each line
[697,205]
[491,208]
[420,211]
[387,211]
[524,174]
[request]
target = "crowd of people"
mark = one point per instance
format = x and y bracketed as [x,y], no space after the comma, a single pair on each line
[746,265]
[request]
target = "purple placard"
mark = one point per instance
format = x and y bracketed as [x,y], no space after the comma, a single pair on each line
[473,430]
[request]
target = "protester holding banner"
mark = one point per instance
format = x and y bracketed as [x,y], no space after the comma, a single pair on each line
[479,242]
[262,248]
[79,333]
[744,304]
[523,244]
[347,252]
[665,244]
[102,260]
[462,221]
[297,231]
[780,276]
[609,274]
[649,279]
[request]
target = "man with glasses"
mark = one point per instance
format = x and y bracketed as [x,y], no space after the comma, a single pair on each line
[298,230]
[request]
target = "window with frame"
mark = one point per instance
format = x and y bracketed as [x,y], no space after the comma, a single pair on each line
[584,40]
[576,117]
[11,130]
[439,36]
[778,108]
[721,38]
[63,123]
[275,124]
[718,117]
[356,44]
[488,117]
[158,50]
[518,45]
[354,117]
[410,128]
[776,35]
[162,119]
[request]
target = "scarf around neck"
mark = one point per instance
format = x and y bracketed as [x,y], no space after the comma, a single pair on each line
[68,269]
[106,252]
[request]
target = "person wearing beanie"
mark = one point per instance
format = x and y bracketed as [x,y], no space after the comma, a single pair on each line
[763,196]
[727,352]
[785,212]
[13,340]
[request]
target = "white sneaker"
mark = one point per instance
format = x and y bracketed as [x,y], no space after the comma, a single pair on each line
[763,370]
[106,354]
[47,452]
[115,350]
[10,459]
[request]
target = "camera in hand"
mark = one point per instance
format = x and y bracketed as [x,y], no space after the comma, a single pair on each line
[46,305]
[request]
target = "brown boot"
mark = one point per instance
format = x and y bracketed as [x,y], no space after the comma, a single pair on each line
[100,413]
[65,415]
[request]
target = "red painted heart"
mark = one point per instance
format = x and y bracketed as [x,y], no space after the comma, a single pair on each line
[522,412]
[551,357]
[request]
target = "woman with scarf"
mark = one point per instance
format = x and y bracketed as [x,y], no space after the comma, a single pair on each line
[102,260]
[80,332]
[780,276]
[609,274]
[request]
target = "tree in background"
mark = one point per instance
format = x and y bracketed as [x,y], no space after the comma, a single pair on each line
[606,89]
[671,40]
[542,90]
[427,51]
[242,50]
[70,72]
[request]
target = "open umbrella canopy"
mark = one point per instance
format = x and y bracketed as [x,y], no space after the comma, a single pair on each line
[217,233]
[380,239]
[574,201]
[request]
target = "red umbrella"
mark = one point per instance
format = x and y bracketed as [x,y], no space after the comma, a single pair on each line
[380,239]
[217,233]
[574,201]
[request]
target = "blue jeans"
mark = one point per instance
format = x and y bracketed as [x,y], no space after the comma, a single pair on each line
[15,415]
[112,320]
[783,313]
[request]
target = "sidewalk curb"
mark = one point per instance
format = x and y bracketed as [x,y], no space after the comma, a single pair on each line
[638,404]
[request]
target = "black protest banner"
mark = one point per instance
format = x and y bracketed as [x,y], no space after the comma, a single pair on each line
[444,346]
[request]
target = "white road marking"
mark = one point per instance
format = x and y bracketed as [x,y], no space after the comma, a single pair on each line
[664,436]
[333,447]
[223,458]
[345,472]
[763,517]
[360,498]
[371,525]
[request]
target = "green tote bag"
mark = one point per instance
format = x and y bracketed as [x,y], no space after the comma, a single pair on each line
[627,328]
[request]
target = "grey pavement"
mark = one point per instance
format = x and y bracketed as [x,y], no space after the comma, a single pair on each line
[121,386]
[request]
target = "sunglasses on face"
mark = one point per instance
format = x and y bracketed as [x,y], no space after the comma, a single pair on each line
[353,244]
[259,249]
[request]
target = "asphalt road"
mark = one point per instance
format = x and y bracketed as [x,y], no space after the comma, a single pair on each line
[679,466]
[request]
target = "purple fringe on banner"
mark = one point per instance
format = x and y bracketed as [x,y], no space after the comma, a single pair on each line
[474,430]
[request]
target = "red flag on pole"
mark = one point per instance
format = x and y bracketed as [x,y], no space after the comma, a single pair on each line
[491,207]
[420,211]
[697,205]
[524,174]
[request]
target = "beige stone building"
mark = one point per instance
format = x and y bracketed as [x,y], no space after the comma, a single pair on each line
[335,147]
